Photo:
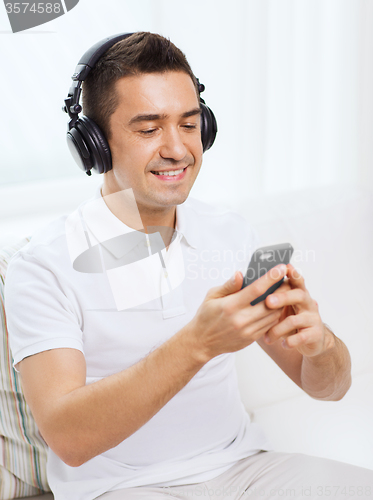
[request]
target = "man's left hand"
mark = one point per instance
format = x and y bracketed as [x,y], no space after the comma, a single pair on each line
[300,325]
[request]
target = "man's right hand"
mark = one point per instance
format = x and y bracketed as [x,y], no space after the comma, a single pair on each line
[226,322]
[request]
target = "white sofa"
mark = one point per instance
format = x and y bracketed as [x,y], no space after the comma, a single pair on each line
[331,230]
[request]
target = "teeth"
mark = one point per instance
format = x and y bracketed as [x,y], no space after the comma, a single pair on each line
[173,172]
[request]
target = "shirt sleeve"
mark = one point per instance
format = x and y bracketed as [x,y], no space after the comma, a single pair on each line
[39,315]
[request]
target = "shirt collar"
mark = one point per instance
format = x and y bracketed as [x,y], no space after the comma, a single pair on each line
[105,228]
[184,224]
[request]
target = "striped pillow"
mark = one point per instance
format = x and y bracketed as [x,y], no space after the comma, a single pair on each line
[23,452]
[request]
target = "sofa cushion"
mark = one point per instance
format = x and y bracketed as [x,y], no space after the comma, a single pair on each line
[23,452]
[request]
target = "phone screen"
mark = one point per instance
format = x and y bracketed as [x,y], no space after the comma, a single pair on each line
[262,261]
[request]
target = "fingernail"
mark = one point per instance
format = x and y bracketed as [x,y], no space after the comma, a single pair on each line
[284,345]
[273,300]
[233,279]
[266,338]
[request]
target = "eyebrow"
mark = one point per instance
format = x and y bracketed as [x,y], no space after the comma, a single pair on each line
[150,118]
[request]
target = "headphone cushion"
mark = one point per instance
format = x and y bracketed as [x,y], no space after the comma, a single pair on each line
[78,149]
[209,127]
[96,143]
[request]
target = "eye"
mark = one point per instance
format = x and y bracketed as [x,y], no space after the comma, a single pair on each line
[190,126]
[149,131]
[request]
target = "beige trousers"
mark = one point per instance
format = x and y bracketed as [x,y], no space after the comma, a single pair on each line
[268,475]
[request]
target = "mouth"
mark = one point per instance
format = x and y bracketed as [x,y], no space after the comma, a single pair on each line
[170,175]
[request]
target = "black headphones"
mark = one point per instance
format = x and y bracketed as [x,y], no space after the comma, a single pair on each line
[85,139]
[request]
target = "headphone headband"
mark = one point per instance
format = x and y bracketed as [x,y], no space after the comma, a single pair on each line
[90,58]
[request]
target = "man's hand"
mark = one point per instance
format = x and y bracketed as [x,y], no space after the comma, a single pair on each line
[226,322]
[300,324]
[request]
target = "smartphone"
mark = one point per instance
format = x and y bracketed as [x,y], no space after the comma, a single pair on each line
[262,261]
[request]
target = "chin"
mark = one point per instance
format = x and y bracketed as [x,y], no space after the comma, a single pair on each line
[177,200]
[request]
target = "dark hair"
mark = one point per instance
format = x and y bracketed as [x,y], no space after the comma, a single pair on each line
[140,53]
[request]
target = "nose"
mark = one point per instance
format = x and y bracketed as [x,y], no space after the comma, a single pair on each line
[173,146]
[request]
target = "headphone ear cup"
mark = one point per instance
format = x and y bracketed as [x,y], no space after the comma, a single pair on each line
[209,127]
[89,146]
[96,143]
[79,150]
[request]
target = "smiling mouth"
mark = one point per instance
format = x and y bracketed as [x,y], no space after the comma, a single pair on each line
[169,173]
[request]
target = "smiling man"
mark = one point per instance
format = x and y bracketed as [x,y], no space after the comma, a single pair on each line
[124,333]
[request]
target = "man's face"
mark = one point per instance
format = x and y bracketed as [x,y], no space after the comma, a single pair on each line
[155,128]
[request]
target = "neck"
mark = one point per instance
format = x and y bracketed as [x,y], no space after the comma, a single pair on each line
[158,220]
[136,216]
[164,226]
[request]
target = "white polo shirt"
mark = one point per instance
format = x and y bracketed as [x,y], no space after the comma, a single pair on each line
[89,282]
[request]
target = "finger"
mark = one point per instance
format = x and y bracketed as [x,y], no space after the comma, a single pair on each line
[295,278]
[265,320]
[261,330]
[251,317]
[232,285]
[295,297]
[289,326]
[260,286]
[286,311]
[295,340]
[285,285]
[307,342]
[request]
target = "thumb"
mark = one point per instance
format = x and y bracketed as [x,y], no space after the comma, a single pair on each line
[231,286]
